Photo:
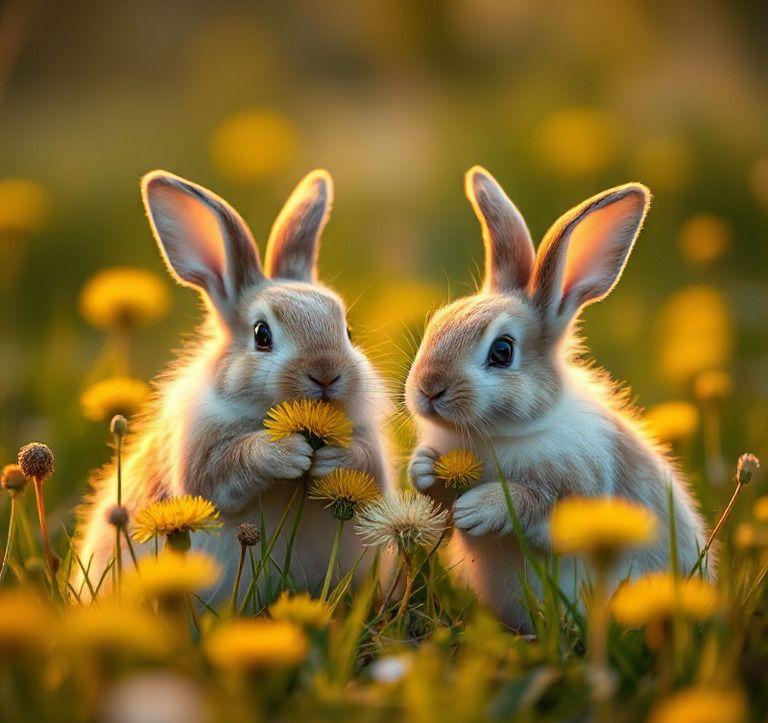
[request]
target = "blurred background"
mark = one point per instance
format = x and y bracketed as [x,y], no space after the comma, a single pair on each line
[397,100]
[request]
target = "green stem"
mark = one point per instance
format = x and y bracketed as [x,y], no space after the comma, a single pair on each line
[9,542]
[717,527]
[597,632]
[236,586]
[408,567]
[118,545]
[132,552]
[294,530]
[49,556]
[332,560]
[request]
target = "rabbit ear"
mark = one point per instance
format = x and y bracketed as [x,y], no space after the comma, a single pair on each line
[509,252]
[202,238]
[583,254]
[295,238]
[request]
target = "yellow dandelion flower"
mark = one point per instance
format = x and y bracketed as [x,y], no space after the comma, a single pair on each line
[761,509]
[321,422]
[601,526]
[116,395]
[124,298]
[26,623]
[114,628]
[459,469]
[256,644]
[695,333]
[712,386]
[174,516]
[672,421]
[657,596]
[701,705]
[344,490]
[254,143]
[23,206]
[577,141]
[171,575]
[748,536]
[402,522]
[704,238]
[301,610]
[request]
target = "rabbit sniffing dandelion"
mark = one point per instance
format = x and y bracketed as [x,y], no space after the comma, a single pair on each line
[272,333]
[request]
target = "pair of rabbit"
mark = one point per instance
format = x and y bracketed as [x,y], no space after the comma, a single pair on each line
[497,373]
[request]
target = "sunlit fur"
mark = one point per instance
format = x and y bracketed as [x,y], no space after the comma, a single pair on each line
[203,432]
[550,424]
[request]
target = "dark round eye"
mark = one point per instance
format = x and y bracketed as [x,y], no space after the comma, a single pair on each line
[502,352]
[262,336]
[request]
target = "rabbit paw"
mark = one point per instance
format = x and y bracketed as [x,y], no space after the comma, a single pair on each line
[421,470]
[482,511]
[286,458]
[327,459]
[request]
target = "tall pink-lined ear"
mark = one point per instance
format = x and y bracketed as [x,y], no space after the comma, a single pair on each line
[584,253]
[295,238]
[202,239]
[509,252]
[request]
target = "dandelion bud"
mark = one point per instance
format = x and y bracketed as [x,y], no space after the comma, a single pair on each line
[36,460]
[13,480]
[248,534]
[746,467]
[119,425]
[117,516]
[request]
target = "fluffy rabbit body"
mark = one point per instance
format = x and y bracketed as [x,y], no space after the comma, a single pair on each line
[270,335]
[499,373]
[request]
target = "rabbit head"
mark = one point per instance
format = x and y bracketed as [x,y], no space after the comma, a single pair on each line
[497,359]
[281,334]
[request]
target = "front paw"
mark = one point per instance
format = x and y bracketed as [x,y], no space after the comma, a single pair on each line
[482,511]
[327,459]
[421,470]
[286,458]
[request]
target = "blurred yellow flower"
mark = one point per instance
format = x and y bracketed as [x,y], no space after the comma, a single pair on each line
[663,162]
[578,141]
[713,386]
[344,490]
[672,421]
[124,298]
[657,596]
[459,469]
[175,515]
[256,644]
[321,422]
[761,509]
[111,627]
[254,143]
[23,206]
[116,395]
[301,609]
[704,238]
[701,705]
[172,575]
[600,526]
[750,536]
[695,332]
[26,623]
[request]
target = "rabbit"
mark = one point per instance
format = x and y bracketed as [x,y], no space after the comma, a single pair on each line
[271,334]
[500,373]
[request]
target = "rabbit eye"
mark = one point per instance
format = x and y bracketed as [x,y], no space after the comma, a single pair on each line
[262,336]
[502,352]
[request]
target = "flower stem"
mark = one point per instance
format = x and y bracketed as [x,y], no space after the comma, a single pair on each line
[597,633]
[294,530]
[49,556]
[332,560]
[132,552]
[236,586]
[118,545]
[716,528]
[408,567]
[9,542]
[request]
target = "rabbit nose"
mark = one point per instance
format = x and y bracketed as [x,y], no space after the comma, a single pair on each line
[432,395]
[325,382]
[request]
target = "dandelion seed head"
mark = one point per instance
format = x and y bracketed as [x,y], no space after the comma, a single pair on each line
[248,534]
[13,480]
[36,461]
